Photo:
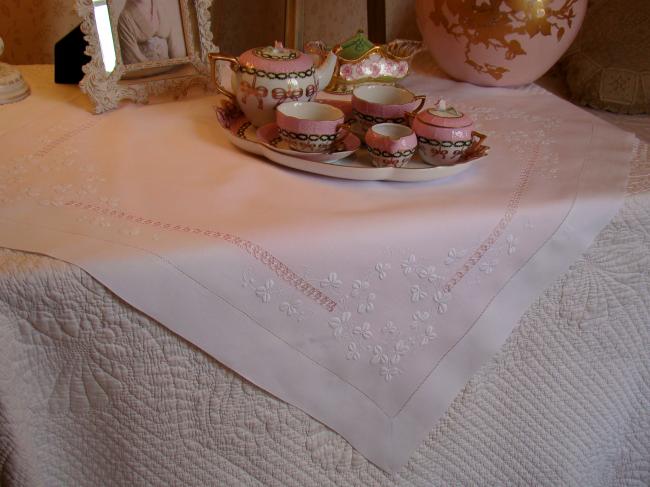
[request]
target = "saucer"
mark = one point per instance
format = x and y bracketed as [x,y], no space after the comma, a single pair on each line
[269,135]
[358,166]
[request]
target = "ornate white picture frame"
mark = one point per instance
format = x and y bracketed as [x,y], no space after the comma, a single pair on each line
[124,67]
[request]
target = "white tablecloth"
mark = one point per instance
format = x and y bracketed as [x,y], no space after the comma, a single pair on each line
[335,456]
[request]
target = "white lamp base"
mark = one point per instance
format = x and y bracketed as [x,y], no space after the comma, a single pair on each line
[13,87]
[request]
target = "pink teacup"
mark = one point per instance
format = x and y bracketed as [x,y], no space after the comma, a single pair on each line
[310,126]
[391,144]
[373,104]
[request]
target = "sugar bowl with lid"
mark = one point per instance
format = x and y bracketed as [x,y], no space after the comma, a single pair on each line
[264,77]
[445,136]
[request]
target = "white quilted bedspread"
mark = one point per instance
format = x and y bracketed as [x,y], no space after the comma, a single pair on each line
[92,392]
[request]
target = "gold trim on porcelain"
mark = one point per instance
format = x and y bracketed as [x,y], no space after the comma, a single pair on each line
[340,85]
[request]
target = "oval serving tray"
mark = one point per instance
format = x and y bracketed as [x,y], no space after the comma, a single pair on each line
[358,166]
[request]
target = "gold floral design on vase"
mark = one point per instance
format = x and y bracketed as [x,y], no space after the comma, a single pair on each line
[492,37]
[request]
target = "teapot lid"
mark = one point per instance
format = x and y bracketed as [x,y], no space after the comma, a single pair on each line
[276,59]
[441,115]
[355,47]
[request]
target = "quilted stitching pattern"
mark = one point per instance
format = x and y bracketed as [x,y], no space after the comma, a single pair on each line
[93,392]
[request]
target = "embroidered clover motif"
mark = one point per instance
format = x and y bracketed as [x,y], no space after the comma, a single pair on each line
[401,348]
[417,293]
[98,221]
[363,330]
[419,317]
[353,352]
[388,372]
[379,356]
[389,329]
[358,287]
[130,231]
[442,300]
[368,305]
[332,281]
[453,255]
[428,273]
[338,324]
[292,309]
[264,292]
[487,267]
[511,242]
[408,265]
[429,335]
[381,270]
[247,280]
[110,202]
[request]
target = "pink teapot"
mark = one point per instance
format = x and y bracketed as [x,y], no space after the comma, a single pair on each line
[264,77]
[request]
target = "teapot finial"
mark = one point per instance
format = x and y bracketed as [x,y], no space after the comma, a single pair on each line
[442,105]
[277,45]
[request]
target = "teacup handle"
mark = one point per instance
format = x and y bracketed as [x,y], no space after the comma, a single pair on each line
[342,131]
[476,149]
[410,116]
[477,139]
[423,99]
[213,57]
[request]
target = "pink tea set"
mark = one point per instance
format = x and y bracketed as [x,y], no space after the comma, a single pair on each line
[381,131]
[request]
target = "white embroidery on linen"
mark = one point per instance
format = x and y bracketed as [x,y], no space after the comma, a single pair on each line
[339,324]
[442,299]
[429,335]
[359,286]
[432,287]
[363,331]
[264,291]
[511,242]
[454,255]
[390,329]
[428,273]
[426,286]
[292,309]
[419,317]
[388,372]
[130,231]
[369,305]
[417,293]
[382,270]
[353,352]
[488,266]
[332,280]
[408,265]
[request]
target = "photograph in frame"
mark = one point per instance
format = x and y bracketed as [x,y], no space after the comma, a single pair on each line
[150,30]
[142,48]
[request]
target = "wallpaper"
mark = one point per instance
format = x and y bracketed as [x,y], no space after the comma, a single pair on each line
[400,20]
[31,27]
[238,26]
[334,21]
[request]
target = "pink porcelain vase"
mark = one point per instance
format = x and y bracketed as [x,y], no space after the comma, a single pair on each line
[498,42]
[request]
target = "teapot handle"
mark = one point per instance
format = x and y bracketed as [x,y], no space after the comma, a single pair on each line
[317,50]
[213,57]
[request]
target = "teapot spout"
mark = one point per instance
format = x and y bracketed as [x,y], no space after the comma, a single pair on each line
[324,60]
